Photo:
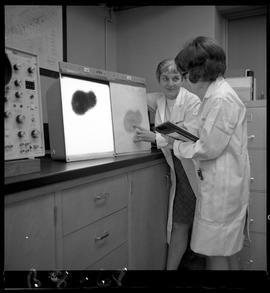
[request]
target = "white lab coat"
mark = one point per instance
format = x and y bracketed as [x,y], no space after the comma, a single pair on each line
[221,154]
[183,113]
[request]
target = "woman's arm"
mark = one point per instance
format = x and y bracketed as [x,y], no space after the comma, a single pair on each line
[214,135]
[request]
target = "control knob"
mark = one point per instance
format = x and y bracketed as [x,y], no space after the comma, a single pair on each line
[31,69]
[21,133]
[17,82]
[35,133]
[18,94]
[7,114]
[16,66]
[20,118]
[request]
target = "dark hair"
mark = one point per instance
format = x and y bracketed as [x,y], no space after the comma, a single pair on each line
[203,59]
[166,65]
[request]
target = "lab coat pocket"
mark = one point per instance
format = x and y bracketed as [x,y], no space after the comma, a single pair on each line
[209,203]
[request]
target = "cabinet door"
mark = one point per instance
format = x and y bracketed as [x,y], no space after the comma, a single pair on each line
[30,234]
[257,212]
[253,254]
[148,218]
[256,127]
[257,169]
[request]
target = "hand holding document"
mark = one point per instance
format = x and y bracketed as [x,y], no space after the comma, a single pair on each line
[175,132]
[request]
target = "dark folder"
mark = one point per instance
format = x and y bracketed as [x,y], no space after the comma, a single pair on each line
[171,129]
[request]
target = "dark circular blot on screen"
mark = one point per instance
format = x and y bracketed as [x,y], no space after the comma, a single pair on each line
[132,118]
[82,102]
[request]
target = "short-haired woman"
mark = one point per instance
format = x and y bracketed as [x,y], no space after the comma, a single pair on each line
[220,155]
[180,107]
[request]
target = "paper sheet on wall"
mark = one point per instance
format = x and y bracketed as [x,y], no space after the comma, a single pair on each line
[36,29]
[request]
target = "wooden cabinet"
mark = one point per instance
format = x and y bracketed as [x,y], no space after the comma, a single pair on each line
[253,255]
[148,217]
[94,223]
[109,221]
[30,234]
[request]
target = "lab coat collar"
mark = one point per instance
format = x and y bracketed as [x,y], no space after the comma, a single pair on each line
[161,102]
[179,101]
[213,87]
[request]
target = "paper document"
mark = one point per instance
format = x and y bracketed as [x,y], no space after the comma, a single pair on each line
[175,131]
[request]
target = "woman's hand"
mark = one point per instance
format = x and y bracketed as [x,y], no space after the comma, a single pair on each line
[170,140]
[143,134]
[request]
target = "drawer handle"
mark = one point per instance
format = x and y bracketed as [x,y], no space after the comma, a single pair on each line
[251,179]
[101,197]
[251,221]
[252,136]
[105,235]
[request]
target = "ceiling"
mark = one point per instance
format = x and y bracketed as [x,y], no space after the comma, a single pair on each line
[235,12]
[121,8]
[230,12]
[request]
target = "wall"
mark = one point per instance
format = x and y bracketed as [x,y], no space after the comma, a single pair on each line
[220,30]
[91,41]
[146,35]
[91,37]
[247,48]
[134,41]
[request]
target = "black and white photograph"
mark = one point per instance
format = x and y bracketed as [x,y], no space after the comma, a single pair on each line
[135,146]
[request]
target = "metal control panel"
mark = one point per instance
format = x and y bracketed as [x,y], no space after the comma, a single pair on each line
[24,136]
[90,72]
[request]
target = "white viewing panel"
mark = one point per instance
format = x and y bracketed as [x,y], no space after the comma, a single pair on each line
[91,113]
[129,107]
[86,117]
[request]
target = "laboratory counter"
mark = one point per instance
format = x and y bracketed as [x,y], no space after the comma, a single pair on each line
[52,171]
[88,215]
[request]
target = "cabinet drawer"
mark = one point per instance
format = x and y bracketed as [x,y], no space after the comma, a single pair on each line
[253,255]
[257,212]
[86,246]
[256,127]
[115,260]
[84,204]
[257,169]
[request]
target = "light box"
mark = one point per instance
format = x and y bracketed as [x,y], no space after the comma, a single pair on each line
[80,120]
[91,113]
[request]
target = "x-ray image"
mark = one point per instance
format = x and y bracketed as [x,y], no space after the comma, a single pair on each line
[129,108]
[86,116]
[82,102]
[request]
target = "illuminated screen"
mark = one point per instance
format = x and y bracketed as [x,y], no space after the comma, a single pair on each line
[86,116]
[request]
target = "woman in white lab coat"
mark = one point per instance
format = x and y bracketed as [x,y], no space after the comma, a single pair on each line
[180,107]
[220,155]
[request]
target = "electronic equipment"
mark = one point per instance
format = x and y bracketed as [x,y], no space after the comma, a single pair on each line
[245,87]
[24,136]
[91,113]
